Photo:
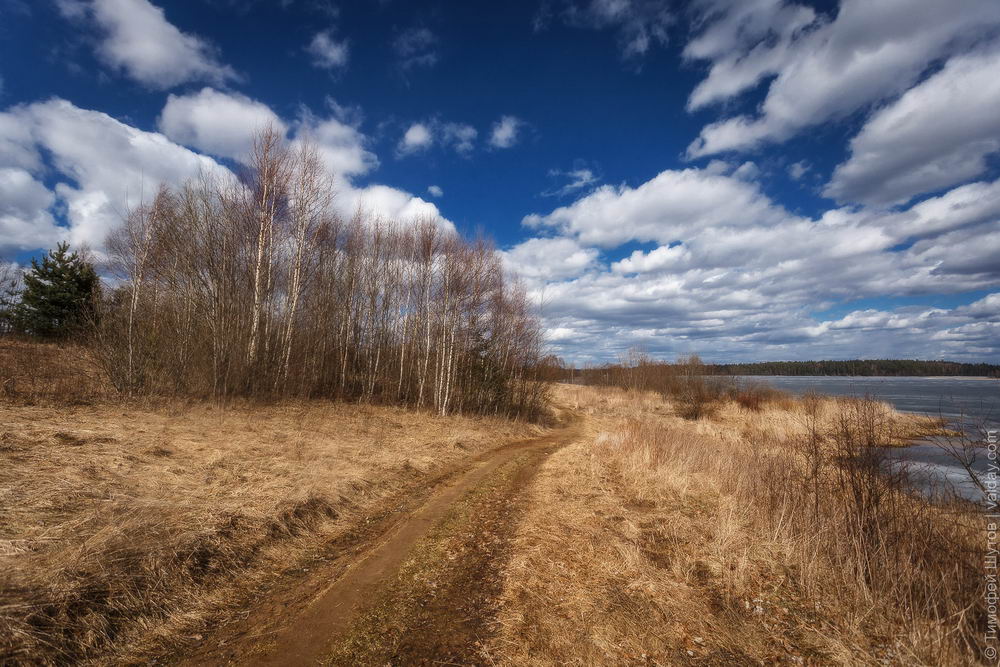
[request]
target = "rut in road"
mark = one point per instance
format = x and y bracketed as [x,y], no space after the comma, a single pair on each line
[423,591]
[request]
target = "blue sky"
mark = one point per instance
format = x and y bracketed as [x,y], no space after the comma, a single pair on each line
[747,180]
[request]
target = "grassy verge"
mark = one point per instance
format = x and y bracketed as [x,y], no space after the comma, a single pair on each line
[745,537]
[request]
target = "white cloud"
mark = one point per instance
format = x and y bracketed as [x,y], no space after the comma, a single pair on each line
[435,191]
[745,40]
[342,147]
[553,258]
[460,136]
[138,39]
[223,124]
[214,122]
[102,167]
[748,171]
[576,180]
[799,169]
[663,209]
[25,220]
[638,24]
[416,47]
[987,307]
[327,52]
[733,275]
[934,136]
[870,52]
[17,146]
[390,203]
[659,259]
[505,132]
[418,137]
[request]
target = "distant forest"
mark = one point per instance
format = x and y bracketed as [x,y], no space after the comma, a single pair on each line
[870,367]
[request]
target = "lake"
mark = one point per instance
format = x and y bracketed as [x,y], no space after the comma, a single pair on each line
[969,404]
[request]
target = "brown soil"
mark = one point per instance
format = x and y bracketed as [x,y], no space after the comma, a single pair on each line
[416,583]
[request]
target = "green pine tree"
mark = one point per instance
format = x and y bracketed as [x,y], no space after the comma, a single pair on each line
[58,296]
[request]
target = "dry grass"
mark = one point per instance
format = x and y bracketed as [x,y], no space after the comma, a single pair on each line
[121,527]
[660,540]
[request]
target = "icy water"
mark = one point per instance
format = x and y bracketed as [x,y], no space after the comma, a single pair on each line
[969,404]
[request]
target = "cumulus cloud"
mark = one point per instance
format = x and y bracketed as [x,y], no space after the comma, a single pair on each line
[937,134]
[733,275]
[102,167]
[418,137]
[390,203]
[416,47]
[25,218]
[327,52]
[825,68]
[549,258]
[662,209]
[505,132]
[137,39]
[223,124]
[435,191]
[342,147]
[215,122]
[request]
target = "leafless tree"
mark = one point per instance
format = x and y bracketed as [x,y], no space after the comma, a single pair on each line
[256,287]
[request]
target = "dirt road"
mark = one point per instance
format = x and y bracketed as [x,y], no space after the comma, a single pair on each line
[417,584]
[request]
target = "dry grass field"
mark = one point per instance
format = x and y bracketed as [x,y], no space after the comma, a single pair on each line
[659,540]
[122,526]
[765,531]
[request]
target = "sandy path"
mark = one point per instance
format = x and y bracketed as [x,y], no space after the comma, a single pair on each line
[418,585]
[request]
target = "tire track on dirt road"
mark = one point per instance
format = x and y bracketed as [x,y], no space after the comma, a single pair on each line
[422,591]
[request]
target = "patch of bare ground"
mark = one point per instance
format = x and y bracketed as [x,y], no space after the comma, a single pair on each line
[125,530]
[659,540]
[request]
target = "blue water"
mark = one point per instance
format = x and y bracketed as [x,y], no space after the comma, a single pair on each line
[971,405]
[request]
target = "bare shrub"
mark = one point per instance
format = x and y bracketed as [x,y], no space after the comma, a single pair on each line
[33,373]
[754,396]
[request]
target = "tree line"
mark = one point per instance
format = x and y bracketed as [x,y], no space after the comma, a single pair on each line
[636,367]
[255,287]
[859,367]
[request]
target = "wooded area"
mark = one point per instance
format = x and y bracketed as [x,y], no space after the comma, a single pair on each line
[255,287]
